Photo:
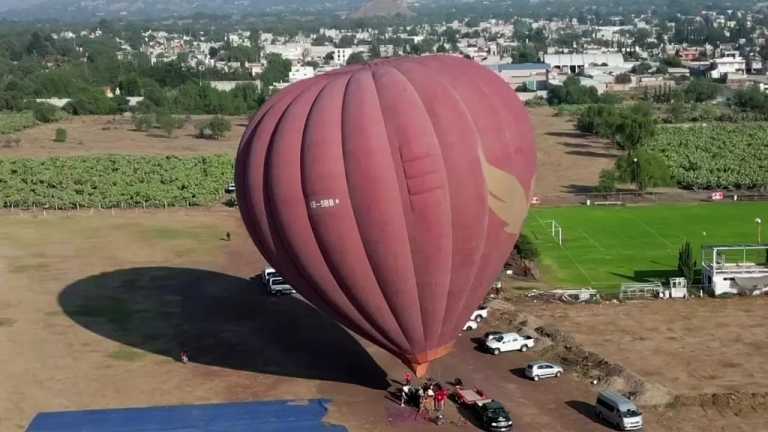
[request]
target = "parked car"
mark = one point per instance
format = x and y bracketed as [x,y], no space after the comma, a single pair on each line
[268,274]
[509,342]
[479,314]
[538,370]
[471,325]
[230,188]
[278,286]
[491,413]
[617,410]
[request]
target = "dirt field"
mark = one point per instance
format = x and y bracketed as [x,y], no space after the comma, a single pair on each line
[569,161]
[108,134]
[705,351]
[95,308]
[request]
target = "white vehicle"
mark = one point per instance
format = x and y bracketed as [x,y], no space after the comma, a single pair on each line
[471,325]
[278,285]
[480,314]
[230,188]
[474,320]
[540,369]
[268,274]
[509,342]
[618,411]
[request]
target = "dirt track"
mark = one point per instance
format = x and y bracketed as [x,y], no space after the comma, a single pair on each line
[96,308]
[568,161]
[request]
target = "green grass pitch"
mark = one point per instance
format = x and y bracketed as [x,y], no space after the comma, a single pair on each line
[605,246]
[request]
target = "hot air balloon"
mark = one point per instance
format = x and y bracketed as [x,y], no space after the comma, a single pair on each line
[390,194]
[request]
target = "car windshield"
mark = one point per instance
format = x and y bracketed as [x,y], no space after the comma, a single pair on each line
[630,413]
[498,338]
[496,413]
[276,281]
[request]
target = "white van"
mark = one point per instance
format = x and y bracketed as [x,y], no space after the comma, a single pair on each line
[619,411]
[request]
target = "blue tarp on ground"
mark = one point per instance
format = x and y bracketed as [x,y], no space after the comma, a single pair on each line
[299,416]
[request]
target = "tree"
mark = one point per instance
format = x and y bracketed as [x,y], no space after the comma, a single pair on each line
[356,57]
[328,57]
[526,248]
[167,124]
[672,61]
[701,90]
[645,169]
[276,70]
[641,68]
[374,52]
[213,52]
[686,265]
[215,128]
[441,49]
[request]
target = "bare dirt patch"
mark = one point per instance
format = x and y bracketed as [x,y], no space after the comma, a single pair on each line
[102,305]
[116,134]
[690,362]
[568,161]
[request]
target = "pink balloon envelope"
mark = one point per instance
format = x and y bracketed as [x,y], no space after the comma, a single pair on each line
[390,194]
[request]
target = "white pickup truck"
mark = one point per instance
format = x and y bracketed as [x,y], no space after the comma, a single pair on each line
[508,342]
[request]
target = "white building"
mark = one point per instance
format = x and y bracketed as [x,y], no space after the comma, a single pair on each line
[736,269]
[340,55]
[730,66]
[574,63]
[299,73]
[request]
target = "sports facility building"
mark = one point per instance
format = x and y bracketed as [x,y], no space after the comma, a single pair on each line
[735,269]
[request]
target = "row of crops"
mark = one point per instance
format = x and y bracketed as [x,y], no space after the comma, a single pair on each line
[11,122]
[715,156]
[113,181]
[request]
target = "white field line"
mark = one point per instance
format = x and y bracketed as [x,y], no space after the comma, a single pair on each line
[591,239]
[652,231]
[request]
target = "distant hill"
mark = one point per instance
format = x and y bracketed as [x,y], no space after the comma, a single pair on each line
[383,7]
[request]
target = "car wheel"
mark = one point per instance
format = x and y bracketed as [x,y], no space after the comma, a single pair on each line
[535,377]
[524,348]
[558,373]
[478,318]
[496,351]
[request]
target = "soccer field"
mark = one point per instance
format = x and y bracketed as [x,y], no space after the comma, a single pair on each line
[603,247]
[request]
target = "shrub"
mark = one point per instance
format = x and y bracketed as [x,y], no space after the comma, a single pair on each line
[623,78]
[215,128]
[61,135]
[536,101]
[144,122]
[46,113]
[526,248]
[167,123]
[607,182]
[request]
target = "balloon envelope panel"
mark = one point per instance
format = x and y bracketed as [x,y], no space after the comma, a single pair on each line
[390,194]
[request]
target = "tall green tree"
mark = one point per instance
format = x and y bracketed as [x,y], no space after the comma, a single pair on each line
[686,265]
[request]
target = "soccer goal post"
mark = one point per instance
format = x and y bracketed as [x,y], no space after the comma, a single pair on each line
[556,231]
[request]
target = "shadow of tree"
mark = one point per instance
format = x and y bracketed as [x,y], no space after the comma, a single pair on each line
[221,320]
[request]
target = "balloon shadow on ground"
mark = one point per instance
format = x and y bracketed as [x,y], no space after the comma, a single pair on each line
[220,320]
